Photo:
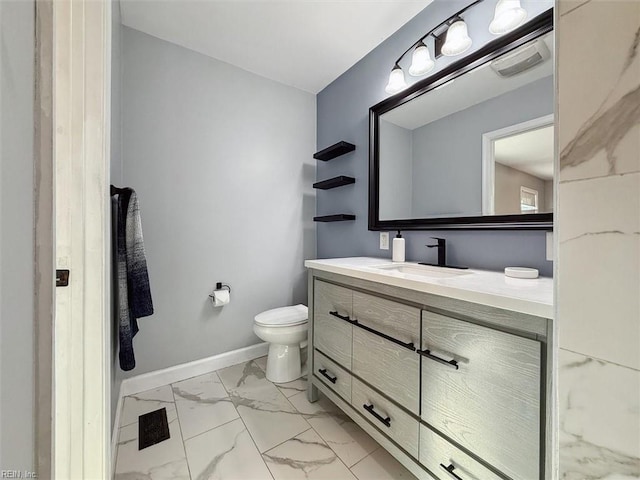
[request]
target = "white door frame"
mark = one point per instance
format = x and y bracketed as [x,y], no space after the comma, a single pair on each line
[73,52]
[488,156]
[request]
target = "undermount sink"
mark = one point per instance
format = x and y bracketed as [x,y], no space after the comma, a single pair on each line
[423,270]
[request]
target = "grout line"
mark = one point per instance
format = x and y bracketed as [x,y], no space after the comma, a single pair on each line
[214,428]
[288,439]
[598,359]
[254,443]
[597,177]
[366,456]
[184,447]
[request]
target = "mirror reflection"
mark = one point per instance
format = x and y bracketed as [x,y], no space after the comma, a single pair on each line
[481,144]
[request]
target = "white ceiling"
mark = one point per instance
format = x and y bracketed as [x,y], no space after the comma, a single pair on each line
[303,43]
[530,152]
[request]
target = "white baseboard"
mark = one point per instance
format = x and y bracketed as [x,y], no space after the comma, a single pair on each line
[159,378]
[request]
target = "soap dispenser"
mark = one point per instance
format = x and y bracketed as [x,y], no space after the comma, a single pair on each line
[398,248]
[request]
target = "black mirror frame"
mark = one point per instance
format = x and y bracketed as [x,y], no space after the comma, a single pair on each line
[539,26]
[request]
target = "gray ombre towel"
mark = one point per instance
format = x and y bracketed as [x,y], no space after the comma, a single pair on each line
[134,293]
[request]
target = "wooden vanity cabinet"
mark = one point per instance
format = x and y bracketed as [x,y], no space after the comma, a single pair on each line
[481,389]
[456,399]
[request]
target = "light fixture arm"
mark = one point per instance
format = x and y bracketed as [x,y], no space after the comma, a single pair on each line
[448,21]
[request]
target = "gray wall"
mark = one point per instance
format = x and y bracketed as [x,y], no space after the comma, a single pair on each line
[395,201]
[222,163]
[16,235]
[447,153]
[343,114]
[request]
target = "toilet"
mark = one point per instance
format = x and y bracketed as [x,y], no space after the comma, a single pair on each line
[285,329]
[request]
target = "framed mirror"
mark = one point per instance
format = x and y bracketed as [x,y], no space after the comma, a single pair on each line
[471,146]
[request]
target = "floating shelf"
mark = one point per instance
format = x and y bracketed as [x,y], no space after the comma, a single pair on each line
[334,151]
[334,182]
[341,217]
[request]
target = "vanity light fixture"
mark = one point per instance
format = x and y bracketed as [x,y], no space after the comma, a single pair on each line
[396,80]
[508,16]
[421,62]
[458,40]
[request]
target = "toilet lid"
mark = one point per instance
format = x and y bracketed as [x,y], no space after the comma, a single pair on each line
[283,317]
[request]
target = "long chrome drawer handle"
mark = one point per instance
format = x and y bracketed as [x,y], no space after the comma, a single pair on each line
[343,317]
[369,408]
[450,470]
[427,353]
[323,372]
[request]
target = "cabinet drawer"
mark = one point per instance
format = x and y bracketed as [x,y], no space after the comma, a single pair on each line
[387,417]
[387,366]
[391,318]
[332,334]
[334,376]
[446,462]
[486,399]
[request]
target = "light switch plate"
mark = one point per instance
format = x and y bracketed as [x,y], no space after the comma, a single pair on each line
[384,240]
[550,246]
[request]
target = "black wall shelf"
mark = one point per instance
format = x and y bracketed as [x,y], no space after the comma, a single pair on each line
[341,217]
[334,182]
[334,151]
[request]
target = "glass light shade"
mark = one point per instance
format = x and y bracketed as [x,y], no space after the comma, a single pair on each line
[396,81]
[508,16]
[458,40]
[421,62]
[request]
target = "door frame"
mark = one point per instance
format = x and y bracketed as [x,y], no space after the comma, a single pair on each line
[72,218]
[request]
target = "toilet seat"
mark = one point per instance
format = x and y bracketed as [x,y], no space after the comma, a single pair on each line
[283,316]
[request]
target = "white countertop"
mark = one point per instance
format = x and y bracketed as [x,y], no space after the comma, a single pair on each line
[531,296]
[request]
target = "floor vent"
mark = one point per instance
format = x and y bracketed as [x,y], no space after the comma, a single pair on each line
[153,428]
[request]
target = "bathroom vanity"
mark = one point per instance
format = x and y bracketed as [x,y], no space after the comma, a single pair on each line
[449,370]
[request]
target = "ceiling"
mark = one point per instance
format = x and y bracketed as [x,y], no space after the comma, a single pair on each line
[302,43]
[530,152]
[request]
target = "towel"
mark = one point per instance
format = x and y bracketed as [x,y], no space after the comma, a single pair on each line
[133,290]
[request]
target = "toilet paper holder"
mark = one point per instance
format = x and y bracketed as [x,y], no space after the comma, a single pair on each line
[217,302]
[220,286]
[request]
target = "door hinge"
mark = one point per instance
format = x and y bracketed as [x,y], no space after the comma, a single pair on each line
[62,278]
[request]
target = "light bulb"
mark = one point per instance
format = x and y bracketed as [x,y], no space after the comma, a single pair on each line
[508,16]
[421,62]
[458,40]
[396,80]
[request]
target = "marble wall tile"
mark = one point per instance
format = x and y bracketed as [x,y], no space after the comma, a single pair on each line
[598,81]
[598,278]
[163,461]
[202,403]
[306,456]
[225,453]
[598,231]
[599,407]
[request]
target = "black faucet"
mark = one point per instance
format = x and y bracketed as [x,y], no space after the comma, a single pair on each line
[442,251]
[442,255]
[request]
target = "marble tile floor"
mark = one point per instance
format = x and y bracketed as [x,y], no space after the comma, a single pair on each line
[233,424]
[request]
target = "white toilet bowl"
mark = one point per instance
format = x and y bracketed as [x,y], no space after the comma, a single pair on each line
[285,329]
